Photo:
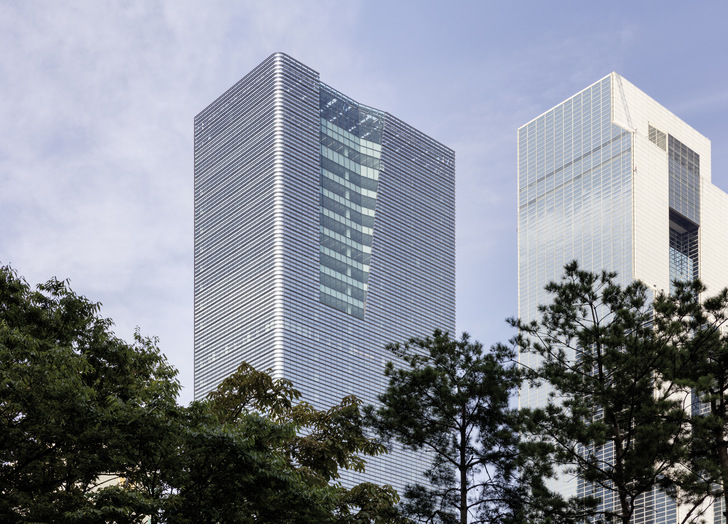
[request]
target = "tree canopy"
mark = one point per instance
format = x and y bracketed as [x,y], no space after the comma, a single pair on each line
[92,431]
[636,405]
[68,387]
[622,369]
[451,399]
[300,452]
[694,328]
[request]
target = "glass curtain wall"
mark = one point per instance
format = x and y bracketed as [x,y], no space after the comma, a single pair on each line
[351,148]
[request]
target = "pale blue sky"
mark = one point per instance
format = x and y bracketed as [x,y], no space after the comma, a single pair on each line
[97,101]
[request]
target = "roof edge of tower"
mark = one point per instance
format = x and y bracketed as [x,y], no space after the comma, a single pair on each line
[612,74]
[277,56]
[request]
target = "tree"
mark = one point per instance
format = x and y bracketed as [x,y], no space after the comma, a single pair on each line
[277,459]
[451,399]
[612,418]
[697,342]
[65,383]
[91,431]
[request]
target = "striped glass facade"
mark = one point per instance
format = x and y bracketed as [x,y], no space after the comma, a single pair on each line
[324,229]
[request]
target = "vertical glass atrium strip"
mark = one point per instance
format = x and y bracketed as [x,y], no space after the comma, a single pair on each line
[684,167]
[351,148]
[683,253]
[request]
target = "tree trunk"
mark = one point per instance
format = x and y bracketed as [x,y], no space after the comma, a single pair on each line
[463,470]
[723,461]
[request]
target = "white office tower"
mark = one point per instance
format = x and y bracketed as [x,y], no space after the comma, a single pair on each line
[324,229]
[614,180]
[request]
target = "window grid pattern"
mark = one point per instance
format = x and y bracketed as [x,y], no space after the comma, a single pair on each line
[657,137]
[607,497]
[684,166]
[655,507]
[351,146]
[683,253]
[718,516]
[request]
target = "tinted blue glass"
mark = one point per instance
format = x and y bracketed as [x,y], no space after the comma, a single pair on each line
[684,166]
[351,136]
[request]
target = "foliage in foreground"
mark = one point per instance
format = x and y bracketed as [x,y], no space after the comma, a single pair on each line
[451,399]
[71,394]
[623,374]
[92,432]
[695,330]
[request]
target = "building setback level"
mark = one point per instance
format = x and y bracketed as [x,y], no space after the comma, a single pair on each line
[324,229]
[614,180]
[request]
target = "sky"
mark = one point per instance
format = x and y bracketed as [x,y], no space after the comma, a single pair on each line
[97,101]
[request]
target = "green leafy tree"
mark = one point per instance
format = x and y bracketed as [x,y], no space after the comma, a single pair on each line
[451,399]
[611,418]
[91,431]
[67,385]
[272,458]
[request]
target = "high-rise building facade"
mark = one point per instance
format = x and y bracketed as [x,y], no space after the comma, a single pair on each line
[614,180]
[324,229]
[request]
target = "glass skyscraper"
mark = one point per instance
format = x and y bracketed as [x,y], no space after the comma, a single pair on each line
[614,180]
[324,229]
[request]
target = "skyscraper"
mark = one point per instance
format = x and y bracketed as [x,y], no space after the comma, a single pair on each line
[614,180]
[324,229]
